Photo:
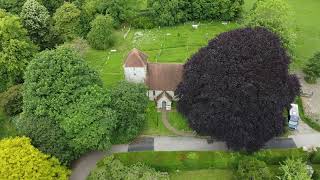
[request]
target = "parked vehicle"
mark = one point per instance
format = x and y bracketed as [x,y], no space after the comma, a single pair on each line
[294,117]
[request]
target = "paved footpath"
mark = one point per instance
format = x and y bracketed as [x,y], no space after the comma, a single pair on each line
[82,167]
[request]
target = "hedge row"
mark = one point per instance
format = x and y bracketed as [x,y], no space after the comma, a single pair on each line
[171,12]
[190,160]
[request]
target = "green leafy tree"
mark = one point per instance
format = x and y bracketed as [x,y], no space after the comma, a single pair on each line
[52,5]
[312,69]
[130,102]
[16,50]
[110,169]
[101,34]
[121,10]
[12,6]
[277,16]
[294,169]
[253,169]
[20,160]
[67,21]
[35,18]
[61,88]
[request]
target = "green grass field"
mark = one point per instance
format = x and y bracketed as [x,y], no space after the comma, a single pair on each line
[204,174]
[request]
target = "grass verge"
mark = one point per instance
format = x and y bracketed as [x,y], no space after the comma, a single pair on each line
[314,125]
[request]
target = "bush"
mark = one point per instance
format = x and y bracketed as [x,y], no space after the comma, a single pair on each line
[143,22]
[276,16]
[110,169]
[20,160]
[294,169]
[11,100]
[101,34]
[315,158]
[171,12]
[276,156]
[251,168]
[312,69]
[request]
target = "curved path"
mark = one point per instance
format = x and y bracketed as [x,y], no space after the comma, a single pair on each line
[166,123]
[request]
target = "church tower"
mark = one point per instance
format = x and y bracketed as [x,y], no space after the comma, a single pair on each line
[135,67]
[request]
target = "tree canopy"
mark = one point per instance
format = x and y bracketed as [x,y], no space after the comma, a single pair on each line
[61,90]
[101,33]
[16,50]
[67,21]
[237,88]
[130,102]
[20,160]
[35,18]
[277,16]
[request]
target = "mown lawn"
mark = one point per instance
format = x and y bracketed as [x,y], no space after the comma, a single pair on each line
[154,125]
[169,44]
[307,29]
[178,121]
[204,174]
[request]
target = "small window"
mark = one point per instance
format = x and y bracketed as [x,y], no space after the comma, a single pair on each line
[154,93]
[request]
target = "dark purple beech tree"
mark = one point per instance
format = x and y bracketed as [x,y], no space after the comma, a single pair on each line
[237,88]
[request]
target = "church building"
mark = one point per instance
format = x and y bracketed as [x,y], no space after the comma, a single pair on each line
[161,79]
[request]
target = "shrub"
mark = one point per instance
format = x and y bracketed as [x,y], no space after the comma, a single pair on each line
[101,33]
[276,156]
[245,79]
[312,69]
[143,22]
[315,158]
[294,169]
[276,16]
[130,102]
[110,169]
[20,160]
[14,103]
[11,100]
[251,168]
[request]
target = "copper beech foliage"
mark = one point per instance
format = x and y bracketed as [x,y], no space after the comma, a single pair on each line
[237,88]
